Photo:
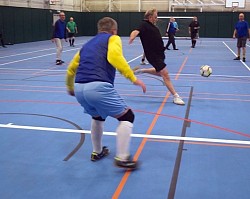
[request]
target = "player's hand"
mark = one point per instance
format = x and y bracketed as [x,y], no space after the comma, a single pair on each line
[66,40]
[166,34]
[72,93]
[189,32]
[53,40]
[140,83]
[234,37]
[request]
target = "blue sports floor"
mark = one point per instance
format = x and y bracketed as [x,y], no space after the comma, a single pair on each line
[197,151]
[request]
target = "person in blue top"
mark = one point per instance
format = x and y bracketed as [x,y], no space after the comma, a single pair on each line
[241,32]
[170,32]
[90,77]
[59,34]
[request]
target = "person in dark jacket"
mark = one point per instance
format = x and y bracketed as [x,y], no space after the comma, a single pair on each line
[59,34]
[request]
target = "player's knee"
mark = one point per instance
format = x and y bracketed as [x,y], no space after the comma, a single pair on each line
[99,118]
[129,116]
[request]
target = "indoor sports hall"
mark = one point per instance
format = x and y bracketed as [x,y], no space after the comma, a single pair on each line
[197,151]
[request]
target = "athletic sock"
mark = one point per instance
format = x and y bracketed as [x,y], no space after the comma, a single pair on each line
[70,43]
[176,95]
[73,40]
[124,131]
[194,43]
[96,135]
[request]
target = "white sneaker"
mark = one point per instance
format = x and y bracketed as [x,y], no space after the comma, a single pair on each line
[178,101]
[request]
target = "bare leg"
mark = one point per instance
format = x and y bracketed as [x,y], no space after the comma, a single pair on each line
[244,52]
[238,52]
[164,74]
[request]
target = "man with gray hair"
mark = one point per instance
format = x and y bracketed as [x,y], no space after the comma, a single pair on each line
[93,70]
[59,34]
[154,50]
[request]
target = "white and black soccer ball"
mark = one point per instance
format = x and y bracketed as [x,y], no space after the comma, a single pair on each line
[206,71]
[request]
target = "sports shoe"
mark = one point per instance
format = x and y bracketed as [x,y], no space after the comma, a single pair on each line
[244,59]
[237,58]
[178,101]
[143,63]
[126,164]
[97,156]
[59,62]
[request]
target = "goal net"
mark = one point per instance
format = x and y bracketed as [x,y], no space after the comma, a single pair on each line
[183,24]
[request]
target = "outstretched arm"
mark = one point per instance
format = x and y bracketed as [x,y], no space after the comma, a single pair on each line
[133,35]
[117,60]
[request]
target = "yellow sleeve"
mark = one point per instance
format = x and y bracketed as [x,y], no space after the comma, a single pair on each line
[71,72]
[117,60]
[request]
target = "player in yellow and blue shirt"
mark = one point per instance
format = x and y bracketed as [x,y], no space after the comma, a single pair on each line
[90,77]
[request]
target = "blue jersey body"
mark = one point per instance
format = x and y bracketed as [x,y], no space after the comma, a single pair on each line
[242,29]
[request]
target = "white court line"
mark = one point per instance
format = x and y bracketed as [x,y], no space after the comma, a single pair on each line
[34,57]
[236,56]
[30,69]
[162,137]
[134,59]
[27,53]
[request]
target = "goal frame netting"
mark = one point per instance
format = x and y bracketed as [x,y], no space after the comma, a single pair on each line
[176,18]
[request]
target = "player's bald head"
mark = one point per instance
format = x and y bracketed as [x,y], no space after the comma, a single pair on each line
[241,16]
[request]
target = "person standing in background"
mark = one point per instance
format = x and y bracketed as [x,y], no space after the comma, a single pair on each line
[241,32]
[59,34]
[72,30]
[1,38]
[194,27]
[170,32]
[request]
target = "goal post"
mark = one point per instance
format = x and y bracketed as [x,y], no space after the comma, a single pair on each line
[183,24]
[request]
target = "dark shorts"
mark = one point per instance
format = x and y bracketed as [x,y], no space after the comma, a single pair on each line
[158,63]
[241,42]
[71,34]
[193,35]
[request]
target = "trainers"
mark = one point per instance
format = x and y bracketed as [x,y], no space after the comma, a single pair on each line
[97,156]
[237,58]
[244,59]
[143,63]
[126,164]
[59,62]
[178,101]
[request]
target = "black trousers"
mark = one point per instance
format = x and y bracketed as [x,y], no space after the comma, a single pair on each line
[1,39]
[171,40]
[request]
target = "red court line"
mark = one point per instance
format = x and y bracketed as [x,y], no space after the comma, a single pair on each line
[181,68]
[139,111]
[201,143]
[128,90]
[141,146]
[131,95]
[39,101]
[197,122]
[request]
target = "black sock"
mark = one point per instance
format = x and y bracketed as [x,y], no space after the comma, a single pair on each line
[70,43]
[73,40]
[194,42]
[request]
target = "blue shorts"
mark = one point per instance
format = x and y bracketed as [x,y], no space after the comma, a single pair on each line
[100,99]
